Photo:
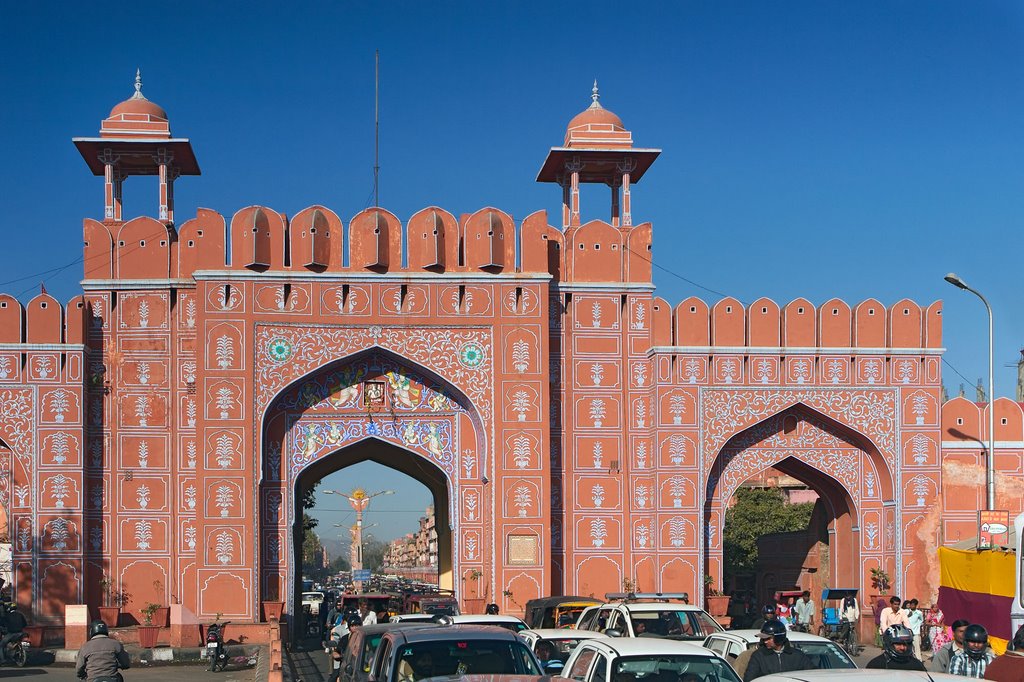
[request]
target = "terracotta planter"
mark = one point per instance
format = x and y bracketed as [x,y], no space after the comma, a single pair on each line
[717,605]
[35,635]
[272,610]
[148,635]
[110,615]
[162,616]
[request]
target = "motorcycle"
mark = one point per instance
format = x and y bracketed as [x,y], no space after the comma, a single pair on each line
[215,646]
[16,651]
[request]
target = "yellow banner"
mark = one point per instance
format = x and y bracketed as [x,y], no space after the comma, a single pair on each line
[985,572]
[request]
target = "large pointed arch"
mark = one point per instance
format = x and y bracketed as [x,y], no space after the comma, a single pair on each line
[320,422]
[841,464]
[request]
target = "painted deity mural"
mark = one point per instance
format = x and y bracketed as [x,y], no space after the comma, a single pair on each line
[578,432]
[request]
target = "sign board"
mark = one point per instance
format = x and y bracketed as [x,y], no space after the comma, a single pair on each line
[361,574]
[993,528]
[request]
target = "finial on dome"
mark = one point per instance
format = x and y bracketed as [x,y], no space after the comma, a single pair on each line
[595,96]
[138,85]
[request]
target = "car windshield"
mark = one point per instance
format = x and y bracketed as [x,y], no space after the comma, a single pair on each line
[667,668]
[825,655]
[555,649]
[464,657]
[673,624]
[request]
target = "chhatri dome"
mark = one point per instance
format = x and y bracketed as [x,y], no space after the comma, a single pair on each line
[136,117]
[595,114]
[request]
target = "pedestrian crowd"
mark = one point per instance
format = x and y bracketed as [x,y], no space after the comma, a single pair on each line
[962,648]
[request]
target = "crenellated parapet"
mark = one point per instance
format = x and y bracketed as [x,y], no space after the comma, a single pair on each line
[42,321]
[316,240]
[797,325]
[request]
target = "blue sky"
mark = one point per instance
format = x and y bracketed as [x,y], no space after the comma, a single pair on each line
[818,149]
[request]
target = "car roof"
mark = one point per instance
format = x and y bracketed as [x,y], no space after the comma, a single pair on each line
[456,632]
[860,675]
[555,601]
[563,633]
[655,606]
[384,627]
[750,636]
[634,646]
[484,618]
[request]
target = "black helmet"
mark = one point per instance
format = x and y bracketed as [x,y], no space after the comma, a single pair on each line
[768,611]
[975,633]
[355,620]
[897,634]
[492,610]
[97,627]
[773,628]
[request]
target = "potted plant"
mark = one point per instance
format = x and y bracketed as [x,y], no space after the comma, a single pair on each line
[162,616]
[114,599]
[272,608]
[148,633]
[716,603]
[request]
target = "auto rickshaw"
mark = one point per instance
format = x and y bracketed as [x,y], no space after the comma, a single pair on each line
[556,612]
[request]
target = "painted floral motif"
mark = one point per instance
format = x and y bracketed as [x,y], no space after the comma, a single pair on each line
[311,439]
[438,349]
[471,355]
[279,349]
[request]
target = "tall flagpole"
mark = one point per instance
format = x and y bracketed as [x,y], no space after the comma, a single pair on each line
[376,131]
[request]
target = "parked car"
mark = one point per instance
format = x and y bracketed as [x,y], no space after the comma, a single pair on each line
[412,654]
[561,642]
[643,659]
[649,615]
[824,653]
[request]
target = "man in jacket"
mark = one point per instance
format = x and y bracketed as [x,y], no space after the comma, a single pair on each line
[101,657]
[940,659]
[776,654]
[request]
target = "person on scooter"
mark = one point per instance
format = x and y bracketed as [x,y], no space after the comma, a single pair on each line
[101,658]
[898,653]
[12,627]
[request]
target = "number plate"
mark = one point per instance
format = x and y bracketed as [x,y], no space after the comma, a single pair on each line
[211,645]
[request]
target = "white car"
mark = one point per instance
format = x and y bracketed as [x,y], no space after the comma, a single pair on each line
[861,675]
[824,653]
[562,643]
[644,659]
[649,618]
[314,599]
[508,622]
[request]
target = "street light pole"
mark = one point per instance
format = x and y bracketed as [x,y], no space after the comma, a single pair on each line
[360,500]
[990,463]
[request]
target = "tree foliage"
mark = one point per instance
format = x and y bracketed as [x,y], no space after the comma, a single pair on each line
[373,553]
[757,512]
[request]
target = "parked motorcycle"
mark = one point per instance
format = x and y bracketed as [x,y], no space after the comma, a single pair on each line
[215,646]
[16,651]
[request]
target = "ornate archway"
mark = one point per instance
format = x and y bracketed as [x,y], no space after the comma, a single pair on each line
[833,457]
[375,406]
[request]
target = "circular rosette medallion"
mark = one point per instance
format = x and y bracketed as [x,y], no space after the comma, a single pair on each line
[279,349]
[471,355]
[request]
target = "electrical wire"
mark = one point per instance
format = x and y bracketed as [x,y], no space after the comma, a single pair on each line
[677,275]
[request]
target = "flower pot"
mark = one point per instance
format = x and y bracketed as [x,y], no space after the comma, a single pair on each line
[148,635]
[272,610]
[717,605]
[110,615]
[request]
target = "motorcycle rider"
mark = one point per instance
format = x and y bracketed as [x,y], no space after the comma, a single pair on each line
[897,653]
[775,654]
[974,658]
[12,627]
[100,658]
